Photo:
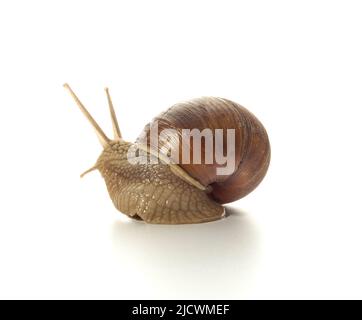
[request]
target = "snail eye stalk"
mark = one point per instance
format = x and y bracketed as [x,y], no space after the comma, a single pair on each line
[116,130]
[104,140]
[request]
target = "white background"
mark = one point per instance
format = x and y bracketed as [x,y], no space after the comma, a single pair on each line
[297,65]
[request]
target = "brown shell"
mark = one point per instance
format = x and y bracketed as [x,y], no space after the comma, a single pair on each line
[252,148]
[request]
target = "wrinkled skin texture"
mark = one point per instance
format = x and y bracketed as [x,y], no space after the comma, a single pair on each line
[151,192]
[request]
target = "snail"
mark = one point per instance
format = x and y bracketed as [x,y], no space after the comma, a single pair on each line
[147,181]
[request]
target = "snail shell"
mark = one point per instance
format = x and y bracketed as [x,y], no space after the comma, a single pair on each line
[252,148]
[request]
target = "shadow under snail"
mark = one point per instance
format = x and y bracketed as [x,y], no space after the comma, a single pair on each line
[164,191]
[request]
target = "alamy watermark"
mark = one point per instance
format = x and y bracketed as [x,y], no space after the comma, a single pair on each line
[206,144]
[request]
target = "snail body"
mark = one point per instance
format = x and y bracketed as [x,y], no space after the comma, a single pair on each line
[161,190]
[152,192]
